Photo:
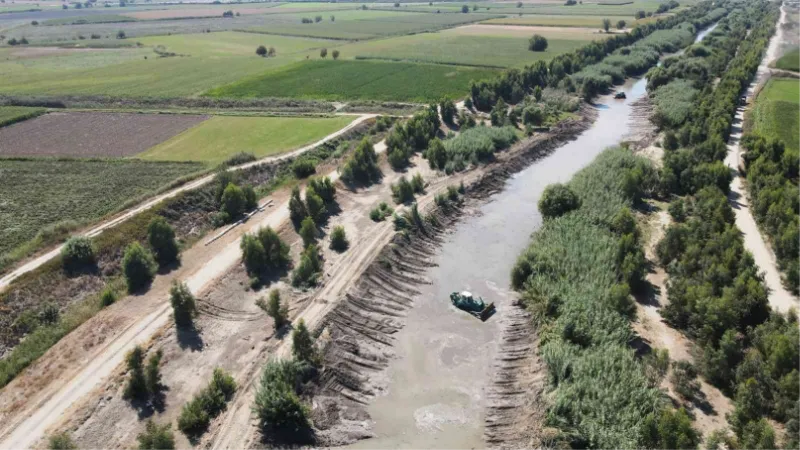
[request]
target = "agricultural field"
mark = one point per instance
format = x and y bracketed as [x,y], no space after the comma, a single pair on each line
[14,114]
[344,80]
[475,45]
[101,135]
[776,111]
[39,193]
[215,140]
[80,20]
[789,61]
[545,20]
[231,44]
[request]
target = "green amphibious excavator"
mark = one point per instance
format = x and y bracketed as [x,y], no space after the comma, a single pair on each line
[466,302]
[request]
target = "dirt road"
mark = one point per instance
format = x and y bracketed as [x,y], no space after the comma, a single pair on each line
[25,428]
[779,298]
[37,262]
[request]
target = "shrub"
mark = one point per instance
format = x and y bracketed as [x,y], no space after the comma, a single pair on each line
[402,191]
[339,239]
[120,34]
[324,187]
[233,201]
[436,154]
[277,405]
[418,184]
[61,441]
[207,404]
[381,212]
[156,437]
[303,344]
[606,25]
[136,388]
[315,206]
[323,53]
[297,208]
[261,50]
[621,25]
[309,268]
[264,251]
[161,237]
[253,254]
[335,53]
[138,265]
[108,296]
[362,166]
[537,43]
[183,304]
[448,110]
[671,429]
[557,200]
[308,231]
[77,252]
[274,309]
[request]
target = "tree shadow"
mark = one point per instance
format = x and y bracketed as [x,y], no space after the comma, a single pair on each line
[145,408]
[79,270]
[284,330]
[288,438]
[189,337]
[649,293]
[641,346]
[269,277]
[169,267]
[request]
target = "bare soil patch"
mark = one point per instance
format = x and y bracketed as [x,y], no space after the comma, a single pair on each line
[90,134]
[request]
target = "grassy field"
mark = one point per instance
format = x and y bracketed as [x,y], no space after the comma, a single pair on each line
[776,111]
[471,45]
[546,20]
[349,80]
[38,193]
[789,61]
[104,18]
[231,44]
[218,138]
[14,114]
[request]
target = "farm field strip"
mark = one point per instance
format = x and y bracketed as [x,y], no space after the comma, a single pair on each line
[13,114]
[100,134]
[353,80]
[110,223]
[215,140]
[547,20]
[775,113]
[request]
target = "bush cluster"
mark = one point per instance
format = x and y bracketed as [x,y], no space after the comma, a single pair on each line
[362,166]
[405,140]
[263,252]
[207,404]
[277,403]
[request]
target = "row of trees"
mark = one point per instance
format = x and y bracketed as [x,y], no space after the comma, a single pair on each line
[512,85]
[717,295]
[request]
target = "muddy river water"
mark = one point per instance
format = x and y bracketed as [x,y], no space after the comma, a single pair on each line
[435,391]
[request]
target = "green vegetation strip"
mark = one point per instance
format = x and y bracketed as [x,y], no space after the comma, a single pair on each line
[217,139]
[343,80]
[14,114]
[790,61]
[776,111]
[576,278]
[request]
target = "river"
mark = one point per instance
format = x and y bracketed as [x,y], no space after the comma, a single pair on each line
[435,397]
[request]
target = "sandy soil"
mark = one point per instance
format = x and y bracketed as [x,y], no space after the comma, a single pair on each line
[90,134]
[84,359]
[41,259]
[779,298]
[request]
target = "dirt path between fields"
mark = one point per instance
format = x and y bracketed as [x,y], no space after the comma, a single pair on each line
[39,261]
[710,409]
[779,297]
[77,364]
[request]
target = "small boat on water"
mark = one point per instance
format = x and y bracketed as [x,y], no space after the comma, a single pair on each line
[475,306]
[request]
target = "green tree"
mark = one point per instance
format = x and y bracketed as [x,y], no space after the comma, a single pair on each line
[136,388]
[749,405]
[183,304]
[499,114]
[277,405]
[156,437]
[621,25]
[161,237]
[250,198]
[323,53]
[606,25]
[276,310]
[138,265]
[77,252]
[670,429]
[758,435]
[402,191]
[537,43]
[465,9]
[152,374]
[448,110]
[275,250]
[233,201]
[558,199]
[315,206]
[362,166]
[253,254]
[335,53]
[297,208]
[324,187]
[261,51]
[305,274]
[339,241]
[303,344]
[436,154]
[308,231]
[537,93]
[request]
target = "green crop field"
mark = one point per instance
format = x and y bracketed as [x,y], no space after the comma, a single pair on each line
[231,44]
[104,18]
[776,111]
[14,114]
[546,20]
[38,193]
[790,61]
[349,80]
[215,140]
[471,45]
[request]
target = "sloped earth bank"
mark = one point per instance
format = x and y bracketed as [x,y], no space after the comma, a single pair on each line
[406,367]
